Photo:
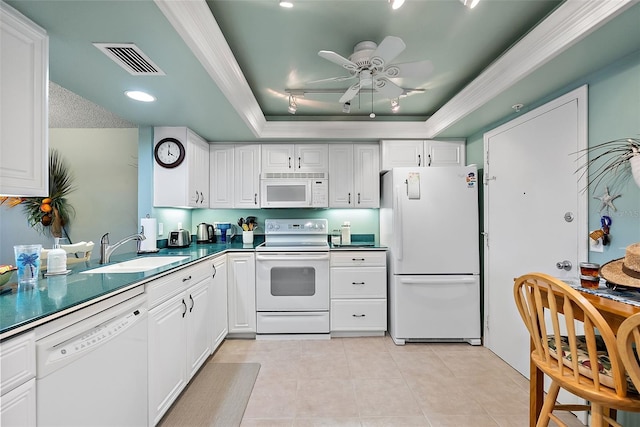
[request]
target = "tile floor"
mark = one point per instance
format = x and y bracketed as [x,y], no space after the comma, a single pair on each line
[372,382]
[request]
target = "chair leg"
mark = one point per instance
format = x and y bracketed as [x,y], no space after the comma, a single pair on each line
[597,415]
[549,404]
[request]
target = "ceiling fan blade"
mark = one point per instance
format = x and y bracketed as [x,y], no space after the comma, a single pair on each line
[333,79]
[387,51]
[338,59]
[409,69]
[388,89]
[350,93]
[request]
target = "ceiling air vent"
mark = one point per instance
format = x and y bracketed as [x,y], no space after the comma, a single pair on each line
[131,58]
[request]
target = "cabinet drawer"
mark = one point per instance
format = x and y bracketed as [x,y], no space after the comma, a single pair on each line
[162,289]
[359,315]
[17,361]
[358,259]
[361,282]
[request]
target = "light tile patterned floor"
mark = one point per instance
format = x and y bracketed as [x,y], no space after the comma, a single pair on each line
[373,382]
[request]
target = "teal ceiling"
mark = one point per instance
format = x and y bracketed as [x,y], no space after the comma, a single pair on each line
[277,49]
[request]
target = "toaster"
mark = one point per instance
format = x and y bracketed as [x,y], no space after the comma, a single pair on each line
[179,238]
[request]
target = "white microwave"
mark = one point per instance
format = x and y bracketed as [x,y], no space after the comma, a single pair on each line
[294,190]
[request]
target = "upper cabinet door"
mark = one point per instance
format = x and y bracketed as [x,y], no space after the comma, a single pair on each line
[445,153]
[221,176]
[247,176]
[312,158]
[397,154]
[341,193]
[366,175]
[277,158]
[24,84]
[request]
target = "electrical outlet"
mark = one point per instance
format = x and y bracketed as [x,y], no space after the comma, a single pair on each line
[160,229]
[596,245]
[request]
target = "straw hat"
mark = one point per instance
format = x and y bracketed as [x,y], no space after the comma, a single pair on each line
[624,271]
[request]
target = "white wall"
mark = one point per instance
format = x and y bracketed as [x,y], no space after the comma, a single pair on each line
[104,163]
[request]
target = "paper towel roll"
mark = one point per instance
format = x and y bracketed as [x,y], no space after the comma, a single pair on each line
[149,227]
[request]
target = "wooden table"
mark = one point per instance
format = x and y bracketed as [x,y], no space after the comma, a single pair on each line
[614,312]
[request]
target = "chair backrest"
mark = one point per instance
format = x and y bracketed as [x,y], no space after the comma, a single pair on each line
[79,252]
[629,345]
[550,310]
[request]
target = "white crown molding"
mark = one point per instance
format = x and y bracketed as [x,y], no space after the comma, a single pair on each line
[569,23]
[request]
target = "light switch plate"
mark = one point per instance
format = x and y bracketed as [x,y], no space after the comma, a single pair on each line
[160,229]
[596,245]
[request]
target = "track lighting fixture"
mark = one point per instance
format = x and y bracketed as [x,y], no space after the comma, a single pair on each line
[293,106]
[395,4]
[395,105]
[346,107]
[470,3]
[287,4]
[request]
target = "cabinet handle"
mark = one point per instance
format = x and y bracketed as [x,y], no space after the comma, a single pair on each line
[192,303]
[349,199]
[358,198]
[255,198]
[429,160]
[215,270]
[358,315]
[289,162]
[185,307]
[201,197]
[357,259]
[419,159]
[197,197]
[299,163]
[357,283]
[185,279]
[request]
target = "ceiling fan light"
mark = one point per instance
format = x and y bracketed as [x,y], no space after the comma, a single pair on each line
[293,106]
[395,105]
[395,4]
[470,3]
[287,4]
[346,107]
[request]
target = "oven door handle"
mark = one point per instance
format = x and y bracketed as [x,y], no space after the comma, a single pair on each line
[291,257]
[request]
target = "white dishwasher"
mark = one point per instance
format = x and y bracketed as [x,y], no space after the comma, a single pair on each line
[94,372]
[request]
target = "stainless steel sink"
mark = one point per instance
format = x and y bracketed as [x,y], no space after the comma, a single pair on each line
[137,265]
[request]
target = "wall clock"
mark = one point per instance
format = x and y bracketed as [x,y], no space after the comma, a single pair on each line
[169,152]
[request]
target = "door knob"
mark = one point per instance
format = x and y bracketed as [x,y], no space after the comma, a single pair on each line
[564,265]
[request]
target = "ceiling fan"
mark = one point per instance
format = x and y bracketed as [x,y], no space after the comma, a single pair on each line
[372,65]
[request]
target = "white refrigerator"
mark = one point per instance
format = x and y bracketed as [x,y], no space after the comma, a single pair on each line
[429,222]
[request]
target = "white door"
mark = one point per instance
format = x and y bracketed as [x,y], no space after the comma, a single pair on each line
[531,189]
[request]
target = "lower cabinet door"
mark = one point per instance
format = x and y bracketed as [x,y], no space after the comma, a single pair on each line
[198,301]
[167,355]
[358,315]
[19,405]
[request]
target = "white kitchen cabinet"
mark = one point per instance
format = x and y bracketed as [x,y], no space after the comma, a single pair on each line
[24,113]
[221,176]
[179,334]
[303,158]
[247,176]
[186,185]
[241,281]
[18,384]
[220,322]
[358,293]
[421,153]
[354,180]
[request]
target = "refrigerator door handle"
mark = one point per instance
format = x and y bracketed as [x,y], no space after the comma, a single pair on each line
[397,226]
[433,280]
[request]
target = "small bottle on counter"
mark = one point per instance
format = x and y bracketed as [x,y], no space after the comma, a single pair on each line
[56,258]
[345,230]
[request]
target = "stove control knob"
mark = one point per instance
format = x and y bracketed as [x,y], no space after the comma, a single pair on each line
[270,227]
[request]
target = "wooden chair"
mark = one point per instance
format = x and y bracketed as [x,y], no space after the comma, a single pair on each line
[628,345]
[548,307]
[76,253]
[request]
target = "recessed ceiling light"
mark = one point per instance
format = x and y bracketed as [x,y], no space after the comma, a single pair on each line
[140,96]
[395,4]
[470,3]
[287,4]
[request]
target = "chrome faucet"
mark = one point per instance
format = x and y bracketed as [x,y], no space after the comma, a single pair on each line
[106,250]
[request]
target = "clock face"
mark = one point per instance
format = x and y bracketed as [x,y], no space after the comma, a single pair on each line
[169,152]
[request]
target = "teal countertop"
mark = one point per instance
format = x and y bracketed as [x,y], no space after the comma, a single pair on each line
[58,295]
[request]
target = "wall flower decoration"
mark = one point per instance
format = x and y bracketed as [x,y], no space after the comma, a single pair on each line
[49,214]
[620,158]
